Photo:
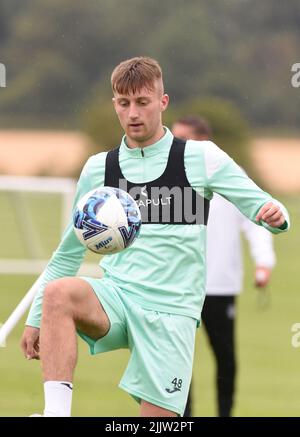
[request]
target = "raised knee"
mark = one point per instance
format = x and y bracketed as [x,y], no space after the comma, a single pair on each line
[57,296]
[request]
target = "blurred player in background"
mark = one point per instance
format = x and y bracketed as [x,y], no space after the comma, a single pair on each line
[225,273]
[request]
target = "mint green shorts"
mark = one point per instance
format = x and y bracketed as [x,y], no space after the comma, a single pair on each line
[162,347]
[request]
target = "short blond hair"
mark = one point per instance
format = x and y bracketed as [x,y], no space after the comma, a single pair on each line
[134,74]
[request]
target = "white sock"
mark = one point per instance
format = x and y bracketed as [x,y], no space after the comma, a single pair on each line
[58,398]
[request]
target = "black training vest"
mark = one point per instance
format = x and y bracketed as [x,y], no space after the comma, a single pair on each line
[169,199]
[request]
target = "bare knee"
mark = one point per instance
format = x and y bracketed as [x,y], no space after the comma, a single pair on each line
[74,298]
[57,297]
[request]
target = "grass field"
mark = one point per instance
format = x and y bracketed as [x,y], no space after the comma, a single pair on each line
[268,380]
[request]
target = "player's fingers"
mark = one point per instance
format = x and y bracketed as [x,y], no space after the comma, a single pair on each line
[36,350]
[23,345]
[274,217]
[36,355]
[30,352]
[276,223]
[263,210]
[272,213]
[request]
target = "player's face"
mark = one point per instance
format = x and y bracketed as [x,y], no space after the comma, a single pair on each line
[140,115]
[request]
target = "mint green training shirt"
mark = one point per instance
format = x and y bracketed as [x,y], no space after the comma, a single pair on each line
[164,269]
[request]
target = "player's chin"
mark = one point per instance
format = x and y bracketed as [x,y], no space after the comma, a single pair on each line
[139,137]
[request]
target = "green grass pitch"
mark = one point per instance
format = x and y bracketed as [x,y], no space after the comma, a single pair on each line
[268,365]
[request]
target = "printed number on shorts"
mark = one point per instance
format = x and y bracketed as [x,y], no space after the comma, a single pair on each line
[177,383]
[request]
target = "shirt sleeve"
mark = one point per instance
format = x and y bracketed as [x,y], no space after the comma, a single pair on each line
[67,258]
[225,177]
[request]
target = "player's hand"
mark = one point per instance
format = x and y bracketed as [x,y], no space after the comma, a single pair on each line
[262,276]
[271,214]
[30,343]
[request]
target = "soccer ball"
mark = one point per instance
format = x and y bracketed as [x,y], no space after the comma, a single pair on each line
[107,220]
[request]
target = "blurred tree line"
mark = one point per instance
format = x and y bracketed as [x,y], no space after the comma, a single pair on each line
[227,59]
[58,52]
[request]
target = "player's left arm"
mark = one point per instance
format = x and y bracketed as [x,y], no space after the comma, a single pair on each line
[225,177]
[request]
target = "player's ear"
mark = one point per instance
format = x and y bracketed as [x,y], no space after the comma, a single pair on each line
[114,102]
[164,102]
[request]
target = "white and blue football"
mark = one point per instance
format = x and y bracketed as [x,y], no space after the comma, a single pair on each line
[107,220]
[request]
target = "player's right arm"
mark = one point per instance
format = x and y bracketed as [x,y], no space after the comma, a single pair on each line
[65,261]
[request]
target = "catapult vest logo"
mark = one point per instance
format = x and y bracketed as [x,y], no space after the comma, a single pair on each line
[144,200]
[2,76]
[165,204]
